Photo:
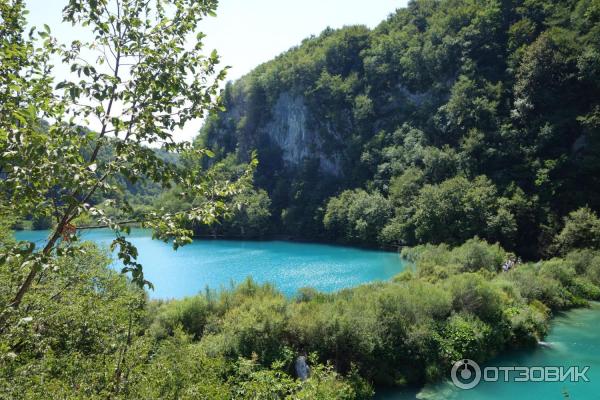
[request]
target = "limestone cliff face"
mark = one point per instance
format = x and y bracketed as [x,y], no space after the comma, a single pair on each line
[282,126]
[288,128]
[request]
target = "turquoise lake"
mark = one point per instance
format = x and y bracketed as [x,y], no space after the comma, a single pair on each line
[574,340]
[218,263]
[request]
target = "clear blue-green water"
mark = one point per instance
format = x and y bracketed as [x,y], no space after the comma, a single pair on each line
[218,263]
[574,340]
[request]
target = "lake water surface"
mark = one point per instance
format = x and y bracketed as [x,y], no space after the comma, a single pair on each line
[218,263]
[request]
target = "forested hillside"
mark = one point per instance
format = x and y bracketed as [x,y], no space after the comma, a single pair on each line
[450,119]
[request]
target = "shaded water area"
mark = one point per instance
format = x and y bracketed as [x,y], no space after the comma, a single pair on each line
[218,263]
[574,340]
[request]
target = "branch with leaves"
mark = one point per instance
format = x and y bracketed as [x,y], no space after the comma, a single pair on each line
[147,77]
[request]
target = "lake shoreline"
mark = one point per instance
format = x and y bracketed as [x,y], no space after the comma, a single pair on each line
[269,238]
[216,263]
[559,318]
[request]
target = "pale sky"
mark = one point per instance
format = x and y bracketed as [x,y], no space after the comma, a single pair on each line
[247,33]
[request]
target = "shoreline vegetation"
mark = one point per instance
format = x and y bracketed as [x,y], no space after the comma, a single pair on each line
[242,343]
[265,238]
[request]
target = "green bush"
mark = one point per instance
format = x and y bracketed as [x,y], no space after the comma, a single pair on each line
[476,254]
[465,336]
[472,293]
[581,230]
[190,314]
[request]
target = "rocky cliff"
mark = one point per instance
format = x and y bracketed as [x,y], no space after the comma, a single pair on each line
[502,89]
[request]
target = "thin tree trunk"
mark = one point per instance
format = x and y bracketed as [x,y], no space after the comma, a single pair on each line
[35,268]
[67,216]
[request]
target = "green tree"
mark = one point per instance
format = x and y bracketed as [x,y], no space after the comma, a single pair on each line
[80,325]
[149,78]
[458,209]
[357,216]
[581,230]
[251,214]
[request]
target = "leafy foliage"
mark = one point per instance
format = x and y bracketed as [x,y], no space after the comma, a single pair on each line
[456,303]
[581,230]
[148,80]
[452,125]
[88,332]
[485,113]
[357,216]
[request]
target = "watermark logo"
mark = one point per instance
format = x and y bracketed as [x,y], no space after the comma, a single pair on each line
[466,374]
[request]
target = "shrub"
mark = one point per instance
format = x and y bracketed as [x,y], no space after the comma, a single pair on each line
[544,287]
[476,254]
[529,324]
[586,263]
[581,230]
[255,327]
[465,336]
[190,314]
[471,293]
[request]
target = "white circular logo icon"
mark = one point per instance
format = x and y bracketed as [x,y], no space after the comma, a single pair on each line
[465,374]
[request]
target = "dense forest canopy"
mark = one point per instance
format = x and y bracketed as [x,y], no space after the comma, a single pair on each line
[457,118]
